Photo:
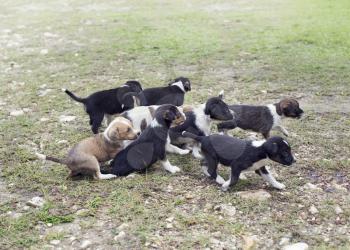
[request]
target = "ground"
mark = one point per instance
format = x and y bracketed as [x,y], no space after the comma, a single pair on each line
[257,51]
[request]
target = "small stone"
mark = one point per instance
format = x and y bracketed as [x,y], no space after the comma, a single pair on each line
[27,110]
[284,241]
[123,226]
[85,244]
[338,209]
[296,246]
[16,113]
[313,210]
[26,208]
[82,212]
[67,118]
[49,224]
[55,242]
[259,195]
[62,142]
[310,186]
[120,236]
[169,226]
[170,219]
[44,119]
[249,242]
[72,238]
[44,51]
[36,202]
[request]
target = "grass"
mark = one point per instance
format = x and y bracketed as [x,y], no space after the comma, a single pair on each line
[258,52]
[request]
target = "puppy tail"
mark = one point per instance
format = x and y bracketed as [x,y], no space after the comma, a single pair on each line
[50,158]
[192,136]
[74,97]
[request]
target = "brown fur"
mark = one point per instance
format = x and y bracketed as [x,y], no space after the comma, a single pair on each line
[283,105]
[84,158]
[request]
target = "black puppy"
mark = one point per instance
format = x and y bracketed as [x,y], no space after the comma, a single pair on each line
[198,121]
[262,119]
[172,94]
[242,155]
[107,102]
[150,145]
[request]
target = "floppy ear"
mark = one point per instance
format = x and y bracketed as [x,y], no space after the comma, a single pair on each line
[169,115]
[271,147]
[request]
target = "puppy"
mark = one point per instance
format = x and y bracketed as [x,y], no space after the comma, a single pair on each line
[107,102]
[141,117]
[262,119]
[84,157]
[243,155]
[198,121]
[150,146]
[173,94]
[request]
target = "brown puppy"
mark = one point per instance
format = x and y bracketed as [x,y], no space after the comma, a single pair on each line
[84,157]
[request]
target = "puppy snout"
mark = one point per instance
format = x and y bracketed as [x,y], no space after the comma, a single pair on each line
[138,133]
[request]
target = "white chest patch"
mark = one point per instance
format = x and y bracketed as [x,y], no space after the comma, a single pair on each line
[203,121]
[258,143]
[276,117]
[257,165]
[180,85]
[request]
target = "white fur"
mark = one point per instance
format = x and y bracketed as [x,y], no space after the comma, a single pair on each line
[180,85]
[170,148]
[105,176]
[257,165]
[64,90]
[155,123]
[168,167]
[276,117]
[196,152]
[137,114]
[203,121]
[258,143]
[270,179]
[226,184]
[219,180]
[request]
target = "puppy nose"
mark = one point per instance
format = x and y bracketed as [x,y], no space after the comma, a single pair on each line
[138,133]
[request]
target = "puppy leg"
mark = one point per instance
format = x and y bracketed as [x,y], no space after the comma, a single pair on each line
[93,165]
[196,152]
[266,135]
[97,119]
[234,176]
[109,119]
[170,148]
[267,176]
[211,170]
[283,130]
[227,125]
[168,167]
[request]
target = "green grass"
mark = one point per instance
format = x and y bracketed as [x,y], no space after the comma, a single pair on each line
[257,51]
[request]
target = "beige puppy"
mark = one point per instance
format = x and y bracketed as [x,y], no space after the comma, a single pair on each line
[84,157]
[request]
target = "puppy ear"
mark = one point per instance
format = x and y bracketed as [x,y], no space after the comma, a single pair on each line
[169,115]
[271,147]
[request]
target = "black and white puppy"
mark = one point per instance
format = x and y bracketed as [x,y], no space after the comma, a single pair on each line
[262,119]
[149,147]
[107,102]
[172,94]
[141,117]
[242,155]
[198,121]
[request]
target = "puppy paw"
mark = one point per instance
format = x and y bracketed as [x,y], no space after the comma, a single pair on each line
[279,186]
[184,152]
[174,169]
[220,180]
[224,188]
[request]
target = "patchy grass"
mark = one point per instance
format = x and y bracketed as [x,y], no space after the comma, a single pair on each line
[257,51]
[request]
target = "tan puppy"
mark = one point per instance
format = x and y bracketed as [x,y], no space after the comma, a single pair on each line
[84,158]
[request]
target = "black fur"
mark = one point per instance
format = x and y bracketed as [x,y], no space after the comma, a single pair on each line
[215,108]
[112,101]
[149,147]
[165,95]
[259,118]
[240,154]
